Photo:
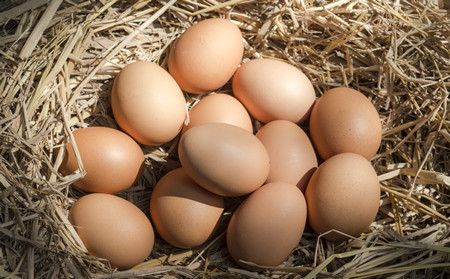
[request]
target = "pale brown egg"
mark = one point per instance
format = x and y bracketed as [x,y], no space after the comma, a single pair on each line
[183,213]
[112,228]
[206,55]
[268,225]
[344,195]
[272,89]
[113,161]
[291,154]
[147,103]
[344,120]
[219,108]
[224,159]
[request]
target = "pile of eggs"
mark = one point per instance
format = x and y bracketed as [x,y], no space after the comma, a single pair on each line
[274,169]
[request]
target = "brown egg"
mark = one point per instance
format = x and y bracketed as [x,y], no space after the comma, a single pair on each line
[184,214]
[147,103]
[113,161]
[291,154]
[344,120]
[268,225]
[344,195]
[272,89]
[206,55]
[219,108]
[113,228]
[224,159]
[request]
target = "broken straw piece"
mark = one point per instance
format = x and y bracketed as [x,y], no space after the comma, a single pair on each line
[33,39]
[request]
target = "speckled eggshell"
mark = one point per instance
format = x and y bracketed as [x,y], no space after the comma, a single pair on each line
[273,89]
[147,103]
[267,225]
[206,55]
[344,120]
[184,214]
[291,154]
[219,108]
[344,195]
[112,228]
[224,159]
[113,161]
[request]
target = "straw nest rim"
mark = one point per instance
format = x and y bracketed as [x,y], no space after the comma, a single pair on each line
[58,60]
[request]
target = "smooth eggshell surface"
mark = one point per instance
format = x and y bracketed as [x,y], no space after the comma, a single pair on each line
[113,228]
[344,120]
[267,225]
[147,103]
[206,55]
[219,108]
[224,159]
[272,89]
[343,194]
[291,154]
[183,213]
[113,161]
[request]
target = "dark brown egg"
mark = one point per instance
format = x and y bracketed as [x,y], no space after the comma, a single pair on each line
[224,159]
[291,154]
[343,195]
[184,214]
[268,225]
[344,120]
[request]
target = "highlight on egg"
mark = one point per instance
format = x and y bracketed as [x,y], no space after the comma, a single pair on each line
[272,89]
[147,103]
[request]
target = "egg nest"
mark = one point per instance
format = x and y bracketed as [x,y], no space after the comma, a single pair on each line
[58,60]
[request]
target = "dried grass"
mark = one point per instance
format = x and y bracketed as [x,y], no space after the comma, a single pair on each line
[56,68]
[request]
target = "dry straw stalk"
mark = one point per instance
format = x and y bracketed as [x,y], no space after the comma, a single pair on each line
[57,62]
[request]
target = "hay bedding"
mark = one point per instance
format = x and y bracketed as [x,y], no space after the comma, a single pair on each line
[58,60]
